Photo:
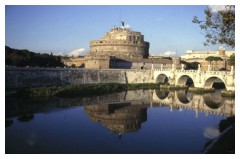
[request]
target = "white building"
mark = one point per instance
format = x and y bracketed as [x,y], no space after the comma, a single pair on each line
[199,56]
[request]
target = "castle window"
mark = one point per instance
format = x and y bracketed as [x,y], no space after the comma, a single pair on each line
[101,42]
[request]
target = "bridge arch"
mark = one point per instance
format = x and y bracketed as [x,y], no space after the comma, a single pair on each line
[162,94]
[162,78]
[215,82]
[184,97]
[185,80]
[213,100]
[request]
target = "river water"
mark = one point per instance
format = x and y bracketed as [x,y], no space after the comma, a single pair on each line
[133,122]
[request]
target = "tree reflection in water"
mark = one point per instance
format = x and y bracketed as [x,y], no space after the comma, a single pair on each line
[129,106]
[124,112]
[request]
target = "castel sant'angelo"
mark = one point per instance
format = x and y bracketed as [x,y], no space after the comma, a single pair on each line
[123,48]
[120,48]
[120,41]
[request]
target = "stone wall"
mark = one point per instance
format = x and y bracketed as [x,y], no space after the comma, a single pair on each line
[97,62]
[38,77]
[111,48]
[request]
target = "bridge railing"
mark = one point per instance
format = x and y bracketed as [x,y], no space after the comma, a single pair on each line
[216,72]
[163,70]
[186,71]
[195,71]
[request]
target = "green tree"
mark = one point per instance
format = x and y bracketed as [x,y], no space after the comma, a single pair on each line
[219,26]
[73,65]
[213,58]
[231,60]
[23,58]
[190,65]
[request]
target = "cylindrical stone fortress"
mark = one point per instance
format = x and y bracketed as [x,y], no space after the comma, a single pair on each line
[120,41]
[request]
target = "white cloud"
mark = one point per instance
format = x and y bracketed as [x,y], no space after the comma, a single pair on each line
[211,132]
[126,26]
[169,53]
[78,52]
[31,141]
[216,8]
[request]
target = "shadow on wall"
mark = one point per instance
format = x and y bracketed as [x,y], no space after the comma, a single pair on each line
[119,63]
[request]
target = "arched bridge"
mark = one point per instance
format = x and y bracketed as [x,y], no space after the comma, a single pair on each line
[199,78]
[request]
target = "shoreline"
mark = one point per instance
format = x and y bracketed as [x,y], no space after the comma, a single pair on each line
[84,90]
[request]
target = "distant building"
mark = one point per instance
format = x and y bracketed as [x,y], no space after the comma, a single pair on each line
[200,56]
[74,61]
[192,55]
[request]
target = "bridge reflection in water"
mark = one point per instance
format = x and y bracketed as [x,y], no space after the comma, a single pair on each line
[54,125]
[208,103]
[122,117]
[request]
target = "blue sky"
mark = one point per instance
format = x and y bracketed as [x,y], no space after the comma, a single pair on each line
[63,29]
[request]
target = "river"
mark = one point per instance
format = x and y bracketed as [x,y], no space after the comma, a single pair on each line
[132,122]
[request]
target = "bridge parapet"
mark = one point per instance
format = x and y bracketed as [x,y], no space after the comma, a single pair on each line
[217,72]
[162,70]
[186,71]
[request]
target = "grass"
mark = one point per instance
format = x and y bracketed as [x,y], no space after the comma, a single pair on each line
[229,94]
[200,90]
[82,90]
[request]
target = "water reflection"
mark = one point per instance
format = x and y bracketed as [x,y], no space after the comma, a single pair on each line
[125,106]
[153,116]
[26,117]
[118,118]
[213,100]
[8,122]
[184,96]
[212,103]
[222,139]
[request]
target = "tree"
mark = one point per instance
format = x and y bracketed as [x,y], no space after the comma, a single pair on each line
[213,58]
[219,26]
[190,65]
[231,60]
[23,58]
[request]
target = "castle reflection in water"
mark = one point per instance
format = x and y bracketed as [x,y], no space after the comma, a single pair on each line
[125,111]
[129,111]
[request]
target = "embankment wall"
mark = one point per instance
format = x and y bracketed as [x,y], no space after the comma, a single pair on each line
[41,77]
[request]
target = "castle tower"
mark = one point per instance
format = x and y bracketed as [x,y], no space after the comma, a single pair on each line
[221,51]
[176,60]
[120,41]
